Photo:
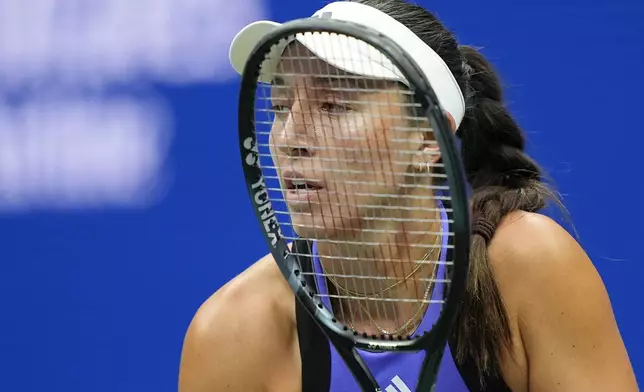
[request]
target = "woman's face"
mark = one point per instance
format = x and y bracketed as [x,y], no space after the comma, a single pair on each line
[344,147]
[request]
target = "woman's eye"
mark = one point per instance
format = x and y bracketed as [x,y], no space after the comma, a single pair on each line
[331,107]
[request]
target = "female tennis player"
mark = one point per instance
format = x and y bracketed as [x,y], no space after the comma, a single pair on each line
[536,316]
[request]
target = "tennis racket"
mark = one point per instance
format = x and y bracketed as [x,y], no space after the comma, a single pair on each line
[312,175]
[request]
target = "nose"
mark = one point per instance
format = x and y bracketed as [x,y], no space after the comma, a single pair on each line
[294,135]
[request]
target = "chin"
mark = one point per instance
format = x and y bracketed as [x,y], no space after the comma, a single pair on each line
[307,226]
[316,226]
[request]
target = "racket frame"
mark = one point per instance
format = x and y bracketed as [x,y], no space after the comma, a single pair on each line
[344,339]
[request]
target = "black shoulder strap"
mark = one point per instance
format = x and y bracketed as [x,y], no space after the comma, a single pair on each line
[315,353]
[469,374]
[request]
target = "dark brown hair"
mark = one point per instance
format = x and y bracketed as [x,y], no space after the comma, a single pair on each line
[503,178]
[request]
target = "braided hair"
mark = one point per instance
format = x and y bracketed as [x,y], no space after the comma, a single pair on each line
[503,177]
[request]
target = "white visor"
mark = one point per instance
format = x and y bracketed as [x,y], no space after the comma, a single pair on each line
[354,56]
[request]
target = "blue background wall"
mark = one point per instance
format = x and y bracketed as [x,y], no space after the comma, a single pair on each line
[96,294]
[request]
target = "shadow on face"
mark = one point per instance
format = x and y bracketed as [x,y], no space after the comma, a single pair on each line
[349,152]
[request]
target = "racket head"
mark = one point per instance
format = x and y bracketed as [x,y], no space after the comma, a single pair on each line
[251,145]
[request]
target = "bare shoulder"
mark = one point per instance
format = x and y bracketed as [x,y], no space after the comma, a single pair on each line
[257,294]
[531,252]
[243,336]
[536,261]
[527,242]
[260,288]
[559,307]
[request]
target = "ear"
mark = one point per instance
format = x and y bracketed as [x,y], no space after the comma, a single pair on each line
[450,120]
[429,152]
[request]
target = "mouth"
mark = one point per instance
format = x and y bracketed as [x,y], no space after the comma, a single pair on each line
[302,185]
[294,181]
[301,190]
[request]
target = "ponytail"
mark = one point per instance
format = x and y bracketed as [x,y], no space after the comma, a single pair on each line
[504,179]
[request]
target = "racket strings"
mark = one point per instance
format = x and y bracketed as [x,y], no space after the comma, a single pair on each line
[381,260]
[340,154]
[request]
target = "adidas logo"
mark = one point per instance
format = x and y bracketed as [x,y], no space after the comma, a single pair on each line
[397,385]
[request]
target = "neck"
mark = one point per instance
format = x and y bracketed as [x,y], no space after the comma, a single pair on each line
[387,252]
[393,259]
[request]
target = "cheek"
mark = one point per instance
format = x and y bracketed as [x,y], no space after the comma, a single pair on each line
[379,152]
[355,142]
[365,161]
[276,144]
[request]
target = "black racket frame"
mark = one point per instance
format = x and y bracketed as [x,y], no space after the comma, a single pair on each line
[345,340]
